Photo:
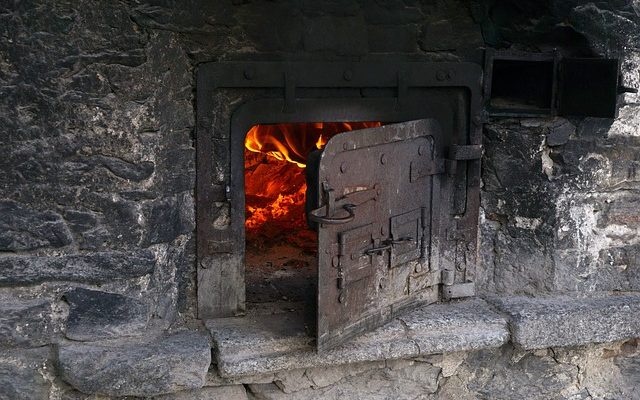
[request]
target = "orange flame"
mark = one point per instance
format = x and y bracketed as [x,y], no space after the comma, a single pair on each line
[275,184]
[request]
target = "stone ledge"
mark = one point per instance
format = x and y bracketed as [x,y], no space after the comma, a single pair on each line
[133,368]
[258,344]
[565,320]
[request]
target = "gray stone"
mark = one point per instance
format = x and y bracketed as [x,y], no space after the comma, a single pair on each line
[169,217]
[463,325]
[560,134]
[99,267]
[214,378]
[25,322]
[506,374]
[323,377]
[391,12]
[401,379]
[22,228]
[80,221]
[258,344]
[346,35]
[606,30]
[439,35]
[126,170]
[593,128]
[234,392]
[385,38]
[177,362]
[570,320]
[96,315]
[22,374]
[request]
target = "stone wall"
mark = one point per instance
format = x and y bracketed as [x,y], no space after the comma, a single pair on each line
[97,179]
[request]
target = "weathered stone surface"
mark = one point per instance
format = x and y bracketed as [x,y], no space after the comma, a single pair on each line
[399,379]
[265,343]
[214,378]
[392,12]
[464,325]
[22,374]
[177,362]
[234,392]
[606,371]
[25,322]
[560,134]
[507,374]
[605,28]
[570,320]
[96,315]
[80,221]
[125,169]
[169,217]
[323,377]
[439,35]
[22,228]
[392,38]
[341,35]
[97,267]
[595,238]
[285,35]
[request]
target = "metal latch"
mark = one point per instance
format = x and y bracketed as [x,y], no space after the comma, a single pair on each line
[388,245]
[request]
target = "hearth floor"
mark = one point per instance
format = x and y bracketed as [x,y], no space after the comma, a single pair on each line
[274,337]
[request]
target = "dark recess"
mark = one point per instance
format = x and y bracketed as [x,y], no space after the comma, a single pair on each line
[588,87]
[522,85]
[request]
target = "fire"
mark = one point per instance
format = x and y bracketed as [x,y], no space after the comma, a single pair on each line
[275,183]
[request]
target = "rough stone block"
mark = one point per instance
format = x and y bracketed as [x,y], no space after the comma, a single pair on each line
[439,35]
[22,228]
[97,267]
[346,35]
[618,268]
[233,392]
[22,374]
[391,12]
[542,322]
[96,315]
[403,379]
[259,344]
[126,170]
[384,38]
[560,134]
[25,322]
[169,217]
[456,326]
[175,363]
[80,221]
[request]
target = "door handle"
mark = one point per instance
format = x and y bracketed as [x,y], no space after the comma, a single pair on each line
[331,220]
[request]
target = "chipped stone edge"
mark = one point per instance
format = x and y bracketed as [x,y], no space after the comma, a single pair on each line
[519,324]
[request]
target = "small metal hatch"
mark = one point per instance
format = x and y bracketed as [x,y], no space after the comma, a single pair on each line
[376,190]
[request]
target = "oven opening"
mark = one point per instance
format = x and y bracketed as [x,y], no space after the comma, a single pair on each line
[281,246]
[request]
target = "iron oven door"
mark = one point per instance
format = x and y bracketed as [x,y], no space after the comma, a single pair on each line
[377,191]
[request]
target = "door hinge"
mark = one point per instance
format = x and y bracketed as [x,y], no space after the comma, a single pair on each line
[451,290]
[465,152]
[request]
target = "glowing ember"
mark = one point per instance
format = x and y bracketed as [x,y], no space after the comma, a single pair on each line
[275,184]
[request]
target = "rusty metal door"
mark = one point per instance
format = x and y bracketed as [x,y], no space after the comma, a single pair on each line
[378,192]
